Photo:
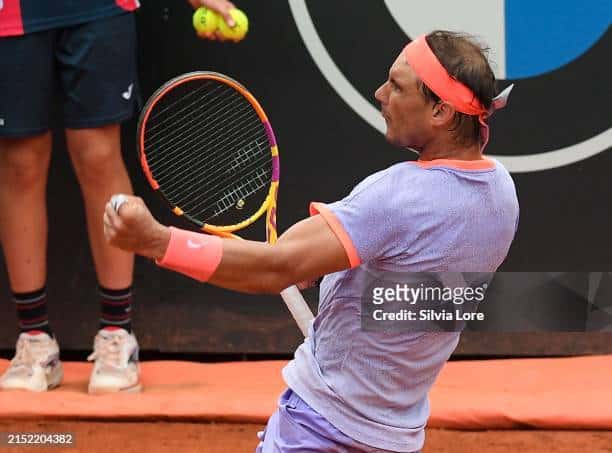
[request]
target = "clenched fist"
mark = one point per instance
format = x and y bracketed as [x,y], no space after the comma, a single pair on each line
[129,225]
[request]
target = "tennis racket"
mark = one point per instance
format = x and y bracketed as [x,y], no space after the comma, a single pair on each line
[207,147]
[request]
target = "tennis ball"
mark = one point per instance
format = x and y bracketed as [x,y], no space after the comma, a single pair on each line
[238,31]
[205,21]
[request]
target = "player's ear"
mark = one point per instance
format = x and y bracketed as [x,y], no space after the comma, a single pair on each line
[442,114]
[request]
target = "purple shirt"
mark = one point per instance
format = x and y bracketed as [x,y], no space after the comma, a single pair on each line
[437,216]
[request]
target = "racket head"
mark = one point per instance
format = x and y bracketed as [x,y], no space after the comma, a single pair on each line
[207,148]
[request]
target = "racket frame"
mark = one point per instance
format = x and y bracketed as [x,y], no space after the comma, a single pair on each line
[291,295]
[268,205]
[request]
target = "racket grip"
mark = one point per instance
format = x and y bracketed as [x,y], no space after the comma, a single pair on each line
[298,307]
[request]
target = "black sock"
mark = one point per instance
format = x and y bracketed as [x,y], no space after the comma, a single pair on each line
[32,311]
[116,308]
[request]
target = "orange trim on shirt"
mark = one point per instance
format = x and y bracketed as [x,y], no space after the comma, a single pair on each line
[339,231]
[480,164]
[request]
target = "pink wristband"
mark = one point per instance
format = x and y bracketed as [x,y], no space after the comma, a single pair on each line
[196,255]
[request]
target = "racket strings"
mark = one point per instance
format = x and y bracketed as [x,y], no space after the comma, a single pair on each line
[191,166]
[217,165]
[199,144]
[214,187]
[219,94]
[226,168]
[231,198]
[196,127]
[157,150]
[182,99]
[202,202]
[208,150]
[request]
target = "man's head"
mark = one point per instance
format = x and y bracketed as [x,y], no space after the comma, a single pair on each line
[416,116]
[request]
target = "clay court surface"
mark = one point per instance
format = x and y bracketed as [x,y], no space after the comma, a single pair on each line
[523,405]
[136,437]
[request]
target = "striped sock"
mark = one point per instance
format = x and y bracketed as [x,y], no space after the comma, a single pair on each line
[32,311]
[116,308]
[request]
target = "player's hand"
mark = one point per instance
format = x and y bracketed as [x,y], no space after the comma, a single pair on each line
[130,226]
[222,7]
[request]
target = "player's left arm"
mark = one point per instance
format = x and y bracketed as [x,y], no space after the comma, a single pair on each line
[306,251]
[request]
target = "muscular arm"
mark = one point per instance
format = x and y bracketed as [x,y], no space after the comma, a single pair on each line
[306,251]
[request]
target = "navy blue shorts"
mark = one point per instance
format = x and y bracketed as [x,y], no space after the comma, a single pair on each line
[90,67]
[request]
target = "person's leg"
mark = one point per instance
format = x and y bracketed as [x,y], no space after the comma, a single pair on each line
[96,156]
[26,88]
[98,75]
[97,160]
[26,92]
[97,63]
[24,163]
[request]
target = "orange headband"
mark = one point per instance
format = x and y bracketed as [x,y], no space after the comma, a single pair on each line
[428,68]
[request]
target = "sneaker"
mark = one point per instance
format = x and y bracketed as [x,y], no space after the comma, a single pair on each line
[116,367]
[36,365]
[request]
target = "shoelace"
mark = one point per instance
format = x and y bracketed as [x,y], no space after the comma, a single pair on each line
[107,350]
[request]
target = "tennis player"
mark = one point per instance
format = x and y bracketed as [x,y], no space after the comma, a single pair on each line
[452,210]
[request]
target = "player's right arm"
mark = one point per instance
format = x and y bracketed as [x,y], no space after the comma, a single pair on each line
[307,250]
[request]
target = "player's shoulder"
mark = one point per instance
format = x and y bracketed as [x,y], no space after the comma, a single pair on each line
[501,170]
[400,170]
[486,169]
[437,168]
[412,173]
[381,180]
[411,178]
[390,186]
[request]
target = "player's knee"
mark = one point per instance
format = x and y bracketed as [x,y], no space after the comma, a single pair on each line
[97,163]
[25,162]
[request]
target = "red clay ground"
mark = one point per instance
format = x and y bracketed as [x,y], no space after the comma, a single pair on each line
[102,437]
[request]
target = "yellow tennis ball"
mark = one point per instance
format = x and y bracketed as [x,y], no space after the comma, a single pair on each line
[238,31]
[205,21]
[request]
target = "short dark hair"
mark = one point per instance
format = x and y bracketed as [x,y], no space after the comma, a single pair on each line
[465,59]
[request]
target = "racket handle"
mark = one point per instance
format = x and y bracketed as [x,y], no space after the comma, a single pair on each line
[298,307]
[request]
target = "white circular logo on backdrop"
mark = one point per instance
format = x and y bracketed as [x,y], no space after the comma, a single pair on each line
[524,43]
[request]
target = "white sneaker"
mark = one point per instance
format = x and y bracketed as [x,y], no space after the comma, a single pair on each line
[36,365]
[116,367]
